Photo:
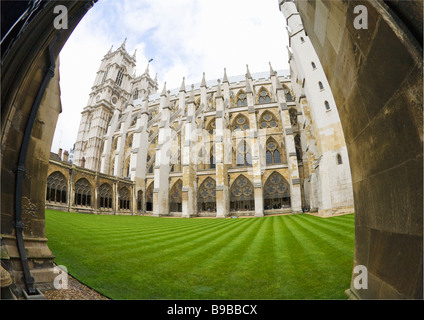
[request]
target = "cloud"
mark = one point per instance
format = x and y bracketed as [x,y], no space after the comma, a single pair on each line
[184,37]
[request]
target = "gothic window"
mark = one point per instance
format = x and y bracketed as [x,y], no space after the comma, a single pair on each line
[175,197]
[298,147]
[56,188]
[105,74]
[133,121]
[120,76]
[140,200]
[293,116]
[264,96]
[268,120]
[127,166]
[272,154]
[82,193]
[149,198]
[135,96]
[150,162]
[288,94]
[241,99]
[242,194]
[243,154]
[212,159]
[321,87]
[241,123]
[339,159]
[327,105]
[276,192]
[207,195]
[211,126]
[105,196]
[124,198]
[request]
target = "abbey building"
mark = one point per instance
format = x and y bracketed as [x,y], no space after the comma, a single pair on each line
[255,144]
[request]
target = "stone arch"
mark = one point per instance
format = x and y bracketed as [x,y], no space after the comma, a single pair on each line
[124,198]
[242,196]
[105,196]
[57,188]
[82,193]
[206,196]
[240,123]
[241,98]
[149,197]
[276,192]
[175,197]
[263,96]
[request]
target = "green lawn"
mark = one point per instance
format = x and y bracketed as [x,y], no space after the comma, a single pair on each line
[277,257]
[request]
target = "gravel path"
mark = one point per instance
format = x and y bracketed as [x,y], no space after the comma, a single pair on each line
[76,291]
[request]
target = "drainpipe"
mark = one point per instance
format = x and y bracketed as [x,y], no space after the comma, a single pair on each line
[20,172]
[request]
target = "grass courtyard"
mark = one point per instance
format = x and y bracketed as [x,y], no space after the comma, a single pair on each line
[277,257]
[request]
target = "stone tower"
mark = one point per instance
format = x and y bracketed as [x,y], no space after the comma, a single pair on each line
[114,89]
[328,183]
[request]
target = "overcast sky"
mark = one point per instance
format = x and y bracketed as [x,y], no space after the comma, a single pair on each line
[183,37]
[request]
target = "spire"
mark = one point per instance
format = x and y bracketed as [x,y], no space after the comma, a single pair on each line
[156,78]
[164,90]
[110,50]
[182,89]
[123,44]
[147,69]
[191,94]
[134,54]
[203,84]
[248,87]
[225,79]
[271,71]
[218,90]
[248,75]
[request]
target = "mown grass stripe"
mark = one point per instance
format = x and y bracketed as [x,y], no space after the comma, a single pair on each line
[133,257]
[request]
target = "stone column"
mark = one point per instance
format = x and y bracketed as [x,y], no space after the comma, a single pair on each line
[221,167]
[189,158]
[295,194]
[161,182]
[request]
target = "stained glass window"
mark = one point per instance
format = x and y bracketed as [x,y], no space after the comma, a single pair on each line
[268,120]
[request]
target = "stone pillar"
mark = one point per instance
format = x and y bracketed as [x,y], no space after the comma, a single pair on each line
[189,158]
[221,166]
[295,194]
[105,161]
[161,182]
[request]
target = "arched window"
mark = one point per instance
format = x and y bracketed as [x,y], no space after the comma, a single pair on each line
[56,188]
[293,116]
[287,94]
[264,96]
[241,123]
[268,120]
[124,198]
[242,194]
[276,192]
[298,147]
[272,154]
[140,200]
[83,193]
[105,196]
[206,197]
[119,76]
[321,87]
[135,96]
[241,99]
[105,74]
[313,65]
[175,197]
[149,197]
[339,159]
[243,154]
[327,105]
[127,166]
[211,126]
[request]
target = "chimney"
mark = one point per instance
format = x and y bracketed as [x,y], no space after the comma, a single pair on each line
[65,156]
[60,153]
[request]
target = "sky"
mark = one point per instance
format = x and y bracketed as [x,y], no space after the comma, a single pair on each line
[183,37]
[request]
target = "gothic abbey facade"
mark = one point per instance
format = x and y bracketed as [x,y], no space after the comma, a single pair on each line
[250,145]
